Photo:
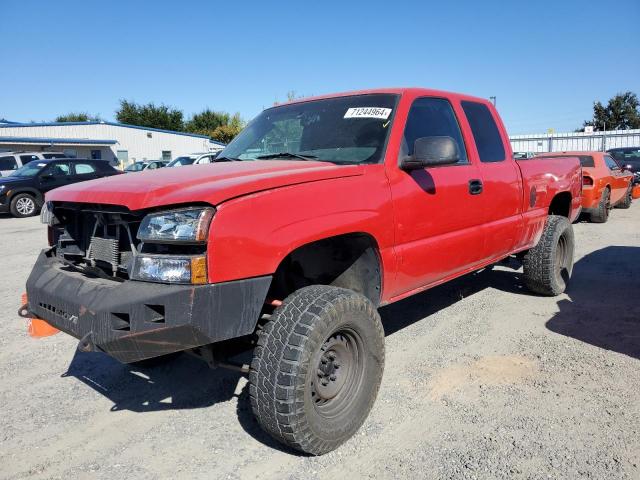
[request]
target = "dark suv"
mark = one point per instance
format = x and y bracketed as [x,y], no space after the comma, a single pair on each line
[22,192]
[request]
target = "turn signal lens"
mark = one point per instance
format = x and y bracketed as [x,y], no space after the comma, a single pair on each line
[198,270]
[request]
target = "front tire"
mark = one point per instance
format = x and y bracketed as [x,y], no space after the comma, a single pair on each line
[548,265]
[317,368]
[626,201]
[23,205]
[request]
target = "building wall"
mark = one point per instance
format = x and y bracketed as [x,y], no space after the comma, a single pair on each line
[140,143]
[575,141]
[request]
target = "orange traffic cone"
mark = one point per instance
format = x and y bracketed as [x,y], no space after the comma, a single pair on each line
[37,327]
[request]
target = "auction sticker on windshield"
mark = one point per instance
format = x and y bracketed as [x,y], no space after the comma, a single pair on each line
[368,112]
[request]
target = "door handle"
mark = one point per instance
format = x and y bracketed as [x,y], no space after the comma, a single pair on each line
[475,187]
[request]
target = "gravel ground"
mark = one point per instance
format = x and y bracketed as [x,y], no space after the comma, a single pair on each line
[482,380]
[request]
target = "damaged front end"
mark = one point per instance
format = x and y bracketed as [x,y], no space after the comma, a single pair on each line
[88,285]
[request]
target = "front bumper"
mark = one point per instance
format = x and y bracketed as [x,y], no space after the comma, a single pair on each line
[134,320]
[5,204]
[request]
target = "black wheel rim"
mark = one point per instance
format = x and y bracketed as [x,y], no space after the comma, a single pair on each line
[562,259]
[338,373]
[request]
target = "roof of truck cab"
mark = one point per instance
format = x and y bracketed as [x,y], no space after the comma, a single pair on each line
[417,91]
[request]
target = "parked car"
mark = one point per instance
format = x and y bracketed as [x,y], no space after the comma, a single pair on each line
[627,157]
[193,159]
[605,184]
[22,192]
[10,161]
[382,194]
[523,155]
[146,165]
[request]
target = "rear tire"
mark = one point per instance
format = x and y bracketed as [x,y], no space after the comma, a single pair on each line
[23,205]
[601,215]
[317,368]
[548,265]
[626,201]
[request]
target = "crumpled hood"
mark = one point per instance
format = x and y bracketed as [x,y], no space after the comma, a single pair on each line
[213,183]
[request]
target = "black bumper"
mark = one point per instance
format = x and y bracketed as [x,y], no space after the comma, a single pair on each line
[134,320]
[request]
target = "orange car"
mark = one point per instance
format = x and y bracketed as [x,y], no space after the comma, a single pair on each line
[604,183]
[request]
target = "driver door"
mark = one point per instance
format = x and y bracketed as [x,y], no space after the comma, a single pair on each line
[439,210]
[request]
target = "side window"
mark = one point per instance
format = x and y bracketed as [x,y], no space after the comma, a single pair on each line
[611,163]
[84,169]
[432,117]
[58,169]
[485,132]
[8,163]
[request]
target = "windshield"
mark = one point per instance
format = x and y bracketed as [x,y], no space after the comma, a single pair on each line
[181,161]
[342,130]
[31,169]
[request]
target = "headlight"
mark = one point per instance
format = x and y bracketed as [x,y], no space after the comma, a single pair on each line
[46,214]
[169,269]
[187,225]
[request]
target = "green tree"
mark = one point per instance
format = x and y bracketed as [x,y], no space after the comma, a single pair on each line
[226,133]
[77,117]
[207,121]
[150,115]
[622,112]
[220,126]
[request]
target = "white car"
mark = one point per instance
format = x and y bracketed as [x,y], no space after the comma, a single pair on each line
[193,159]
[10,161]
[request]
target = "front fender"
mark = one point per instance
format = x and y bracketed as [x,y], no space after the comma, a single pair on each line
[251,235]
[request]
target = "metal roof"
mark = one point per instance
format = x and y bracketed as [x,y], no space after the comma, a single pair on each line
[113,124]
[49,141]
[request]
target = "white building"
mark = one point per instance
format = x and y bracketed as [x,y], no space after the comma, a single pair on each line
[103,140]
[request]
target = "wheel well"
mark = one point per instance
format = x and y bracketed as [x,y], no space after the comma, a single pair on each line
[561,204]
[349,261]
[36,195]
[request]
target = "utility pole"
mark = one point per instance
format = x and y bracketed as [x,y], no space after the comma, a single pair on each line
[493,99]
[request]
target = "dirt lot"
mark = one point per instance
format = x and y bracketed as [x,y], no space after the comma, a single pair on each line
[482,380]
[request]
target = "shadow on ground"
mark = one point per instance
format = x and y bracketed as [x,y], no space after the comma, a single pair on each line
[186,382]
[604,305]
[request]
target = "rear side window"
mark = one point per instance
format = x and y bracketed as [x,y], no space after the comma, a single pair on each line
[28,158]
[8,163]
[587,161]
[84,168]
[485,132]
[432,117]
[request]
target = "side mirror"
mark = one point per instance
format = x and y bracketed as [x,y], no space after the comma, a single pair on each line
[46,177]
[431,152]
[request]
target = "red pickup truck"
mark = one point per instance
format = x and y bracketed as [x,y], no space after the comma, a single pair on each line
[318,213]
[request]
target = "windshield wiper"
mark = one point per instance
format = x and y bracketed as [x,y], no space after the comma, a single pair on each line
[299,156]
[226,159]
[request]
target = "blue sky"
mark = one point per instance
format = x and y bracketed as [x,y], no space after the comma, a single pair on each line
[545,61]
